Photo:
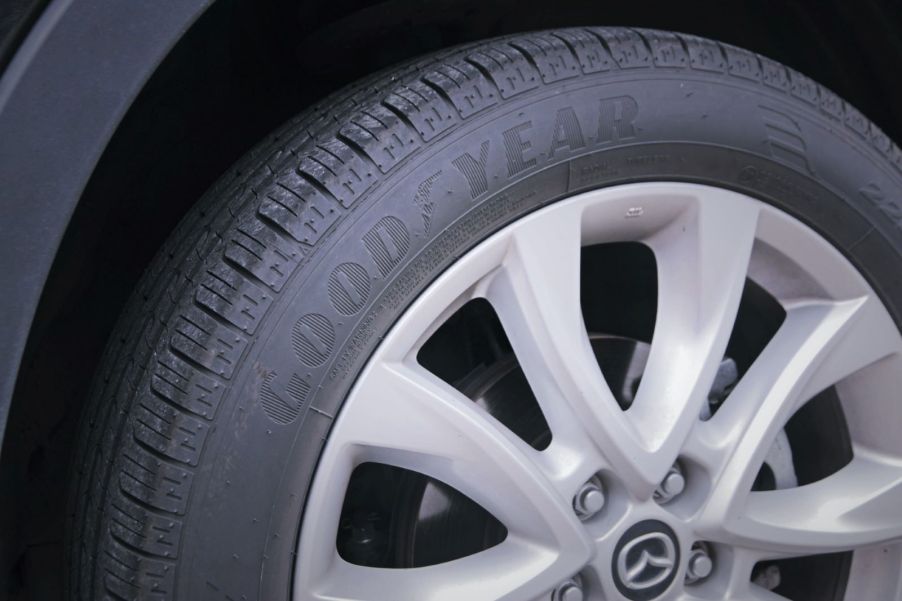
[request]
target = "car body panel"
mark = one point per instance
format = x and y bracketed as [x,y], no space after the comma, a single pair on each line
[61,99]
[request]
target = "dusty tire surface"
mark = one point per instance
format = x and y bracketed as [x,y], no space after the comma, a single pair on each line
[234,356]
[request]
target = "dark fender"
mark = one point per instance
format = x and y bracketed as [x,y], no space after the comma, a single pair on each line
[61,98]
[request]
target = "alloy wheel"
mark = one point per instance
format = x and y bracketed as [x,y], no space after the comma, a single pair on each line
[706,243]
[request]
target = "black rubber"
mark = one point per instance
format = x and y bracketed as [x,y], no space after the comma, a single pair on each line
[236,352]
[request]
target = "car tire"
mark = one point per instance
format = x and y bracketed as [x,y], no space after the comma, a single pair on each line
[234,356]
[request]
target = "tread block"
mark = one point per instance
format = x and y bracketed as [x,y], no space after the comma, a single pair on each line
[202,340]
[144,530]
[626,46]
[880,140]
[831,104]
[128,575]
[705,55]
[230,295]
[856,121]
[592,56]
[338,169]
[297,209]
[742,63]
[667,49]
[422,106]
[804,88]
[551,55]
[382,135]
[507,68]
[467,87]
[774,74]
[153,481]
[172,433]
[257,249]
[177,382]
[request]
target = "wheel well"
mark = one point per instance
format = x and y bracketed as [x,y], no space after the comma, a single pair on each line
[248,65]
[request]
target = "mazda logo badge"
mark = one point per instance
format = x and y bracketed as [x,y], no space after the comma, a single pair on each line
[646,560]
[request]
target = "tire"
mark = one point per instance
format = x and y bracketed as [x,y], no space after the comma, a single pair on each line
[244,337]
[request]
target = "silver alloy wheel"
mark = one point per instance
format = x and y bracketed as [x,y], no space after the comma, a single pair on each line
[706,242]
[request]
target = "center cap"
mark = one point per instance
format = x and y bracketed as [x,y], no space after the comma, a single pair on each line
[646,560]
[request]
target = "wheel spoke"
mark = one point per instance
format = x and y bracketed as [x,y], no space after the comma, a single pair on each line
[819,343]
[536,295]
[513,570]
[425,425]
[751,592]
[702,259]
[404,416]
[857,506]
[759,593]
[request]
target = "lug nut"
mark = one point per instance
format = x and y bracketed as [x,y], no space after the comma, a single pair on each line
[672,486]
[571,590]
[589,500]
[700,565]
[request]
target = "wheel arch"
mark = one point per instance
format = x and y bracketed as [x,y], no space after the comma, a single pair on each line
[58,110]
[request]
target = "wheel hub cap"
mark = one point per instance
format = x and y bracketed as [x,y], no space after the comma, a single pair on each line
[646,560]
